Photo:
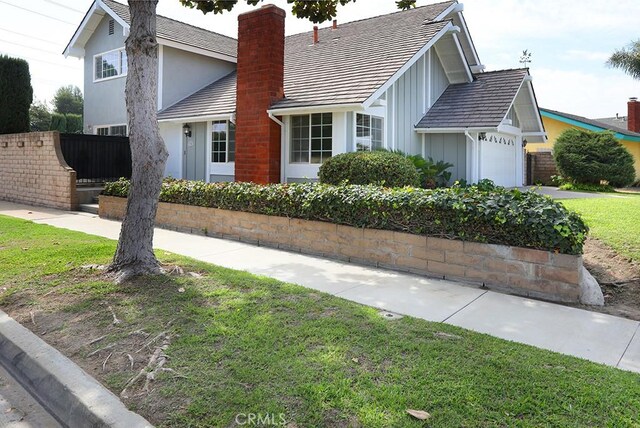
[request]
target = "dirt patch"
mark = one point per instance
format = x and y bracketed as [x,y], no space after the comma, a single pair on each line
[619,278]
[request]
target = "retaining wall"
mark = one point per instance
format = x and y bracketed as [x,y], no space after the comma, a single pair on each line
[521,271]
[33,171]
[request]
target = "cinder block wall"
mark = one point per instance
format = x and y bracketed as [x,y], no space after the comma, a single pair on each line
[521,271]
[33,171]
[544,167]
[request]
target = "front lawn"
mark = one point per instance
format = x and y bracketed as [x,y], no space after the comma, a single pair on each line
[242,344]
[614,221]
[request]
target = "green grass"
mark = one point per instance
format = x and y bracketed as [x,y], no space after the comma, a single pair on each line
[614,221]
[249,344]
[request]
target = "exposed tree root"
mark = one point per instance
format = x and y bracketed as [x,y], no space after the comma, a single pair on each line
[121,273]
[115,318]
[97,351]
[130,360]
[152,369]
[104,365]
[96,340]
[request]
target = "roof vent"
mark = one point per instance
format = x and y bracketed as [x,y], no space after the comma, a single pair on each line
[111,27]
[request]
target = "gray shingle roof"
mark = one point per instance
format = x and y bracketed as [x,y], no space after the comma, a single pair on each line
[180,32]
[482,103]
[600,123]
[347,66]
[217,98]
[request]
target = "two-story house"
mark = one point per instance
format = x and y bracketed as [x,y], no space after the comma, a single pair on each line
[270,108]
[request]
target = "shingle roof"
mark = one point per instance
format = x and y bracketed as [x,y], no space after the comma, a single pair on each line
[599,123]
[482,103]
[217,98]
[180,32]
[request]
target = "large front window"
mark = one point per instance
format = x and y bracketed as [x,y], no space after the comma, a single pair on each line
[110,64]
[223,141]
[369,132]
[311,138]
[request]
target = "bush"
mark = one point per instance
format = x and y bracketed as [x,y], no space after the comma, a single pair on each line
[58,122]
[378,167]
[583,187]
[74,123]
[592,157]
[16,95]
[497,216]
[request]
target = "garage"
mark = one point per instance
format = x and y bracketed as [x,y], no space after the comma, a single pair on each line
[498,159]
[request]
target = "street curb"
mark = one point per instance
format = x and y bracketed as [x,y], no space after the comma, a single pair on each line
[63,388]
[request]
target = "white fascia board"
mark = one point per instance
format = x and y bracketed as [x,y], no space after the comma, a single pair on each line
[196,50]
[466,66]
[382,89]
[115,17]
[224,116]
[509,129]
[454,8]
[534,102]
[333,108]
[467,34]
[71,49]
[452,130]
[514,99]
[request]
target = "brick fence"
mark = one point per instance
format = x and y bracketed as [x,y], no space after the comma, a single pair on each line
[521,271]
[33,171]
[543,167]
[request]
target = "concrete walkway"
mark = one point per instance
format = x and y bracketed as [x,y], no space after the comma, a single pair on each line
[597,337]
[555,193]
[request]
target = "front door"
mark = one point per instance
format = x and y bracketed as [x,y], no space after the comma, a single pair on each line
[195,152]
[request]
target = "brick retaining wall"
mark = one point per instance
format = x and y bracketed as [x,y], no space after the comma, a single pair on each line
[521,271]
[33,171]
[543,167]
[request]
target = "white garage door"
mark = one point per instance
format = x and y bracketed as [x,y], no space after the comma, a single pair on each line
[498,159]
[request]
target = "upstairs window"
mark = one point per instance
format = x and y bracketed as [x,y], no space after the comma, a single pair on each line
[369,132]
[223,141]
[109,65]
[311,138]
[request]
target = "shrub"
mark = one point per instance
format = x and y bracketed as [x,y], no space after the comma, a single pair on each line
[74,123]
[378,167]
[592,157]
[497,216]
[585,187]
[58,122]
[16,95]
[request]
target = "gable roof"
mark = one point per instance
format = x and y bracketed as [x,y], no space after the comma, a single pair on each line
[168,29]
[483,103]
[591,124]
[346,66]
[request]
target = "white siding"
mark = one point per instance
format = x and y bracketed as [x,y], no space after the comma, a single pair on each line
[439,80]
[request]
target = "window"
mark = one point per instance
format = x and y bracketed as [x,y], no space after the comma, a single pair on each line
[223,141]
[369,132]
[110,64]
[112,130]
[311,138]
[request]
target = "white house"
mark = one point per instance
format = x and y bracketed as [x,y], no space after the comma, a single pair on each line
[270,108]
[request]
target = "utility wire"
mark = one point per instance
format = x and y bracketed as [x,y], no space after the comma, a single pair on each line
[29,36]
[37,60]
[64,5]
[37,13]
[29,47]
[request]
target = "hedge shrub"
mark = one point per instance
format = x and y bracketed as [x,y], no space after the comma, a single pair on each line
[378,167]
[74,123]
[58,122]
[591,157]
[16,95]
[497,215]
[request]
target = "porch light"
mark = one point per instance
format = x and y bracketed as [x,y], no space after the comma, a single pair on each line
[186,129]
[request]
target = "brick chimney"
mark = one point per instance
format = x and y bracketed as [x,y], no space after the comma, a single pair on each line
[260,73]
[633,115]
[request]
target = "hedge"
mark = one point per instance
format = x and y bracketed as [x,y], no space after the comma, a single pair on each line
[496,215]
[16,95]
[58,122]
[378,167]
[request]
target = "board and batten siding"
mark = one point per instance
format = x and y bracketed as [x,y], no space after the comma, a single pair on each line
[409,98]
[450,148]
[104,101]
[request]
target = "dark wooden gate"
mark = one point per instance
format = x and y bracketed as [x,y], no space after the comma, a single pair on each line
[97,158]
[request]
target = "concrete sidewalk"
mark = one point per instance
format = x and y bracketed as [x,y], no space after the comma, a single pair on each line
[597,337]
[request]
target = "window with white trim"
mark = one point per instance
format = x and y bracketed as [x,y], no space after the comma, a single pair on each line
[369,132]
[311,138]
[113,130]
[110,64]
[223,141]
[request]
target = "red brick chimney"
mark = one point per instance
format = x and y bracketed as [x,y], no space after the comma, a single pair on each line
[260,73]
[633,115]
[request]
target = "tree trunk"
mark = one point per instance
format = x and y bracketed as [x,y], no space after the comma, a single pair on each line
[134,255]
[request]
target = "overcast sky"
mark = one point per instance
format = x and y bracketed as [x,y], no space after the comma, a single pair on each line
[570,42]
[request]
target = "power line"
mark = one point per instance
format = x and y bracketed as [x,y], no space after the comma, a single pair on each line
[38,13]
[37,60]
[29,36]
[29,47]
[64,5]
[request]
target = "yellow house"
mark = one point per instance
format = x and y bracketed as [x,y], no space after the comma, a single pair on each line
[556,122]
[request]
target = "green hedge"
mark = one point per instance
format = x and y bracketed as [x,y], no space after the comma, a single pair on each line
[496,215]
[378,167]
[58,122]
[16,95]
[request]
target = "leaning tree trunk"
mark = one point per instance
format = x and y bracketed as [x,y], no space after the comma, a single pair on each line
[134,255]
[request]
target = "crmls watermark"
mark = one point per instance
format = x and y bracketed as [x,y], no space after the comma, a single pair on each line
[261,419]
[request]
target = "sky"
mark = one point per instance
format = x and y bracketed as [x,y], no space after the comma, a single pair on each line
[569,41]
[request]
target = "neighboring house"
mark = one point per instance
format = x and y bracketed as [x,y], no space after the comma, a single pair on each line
[270,108]
[625,128]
